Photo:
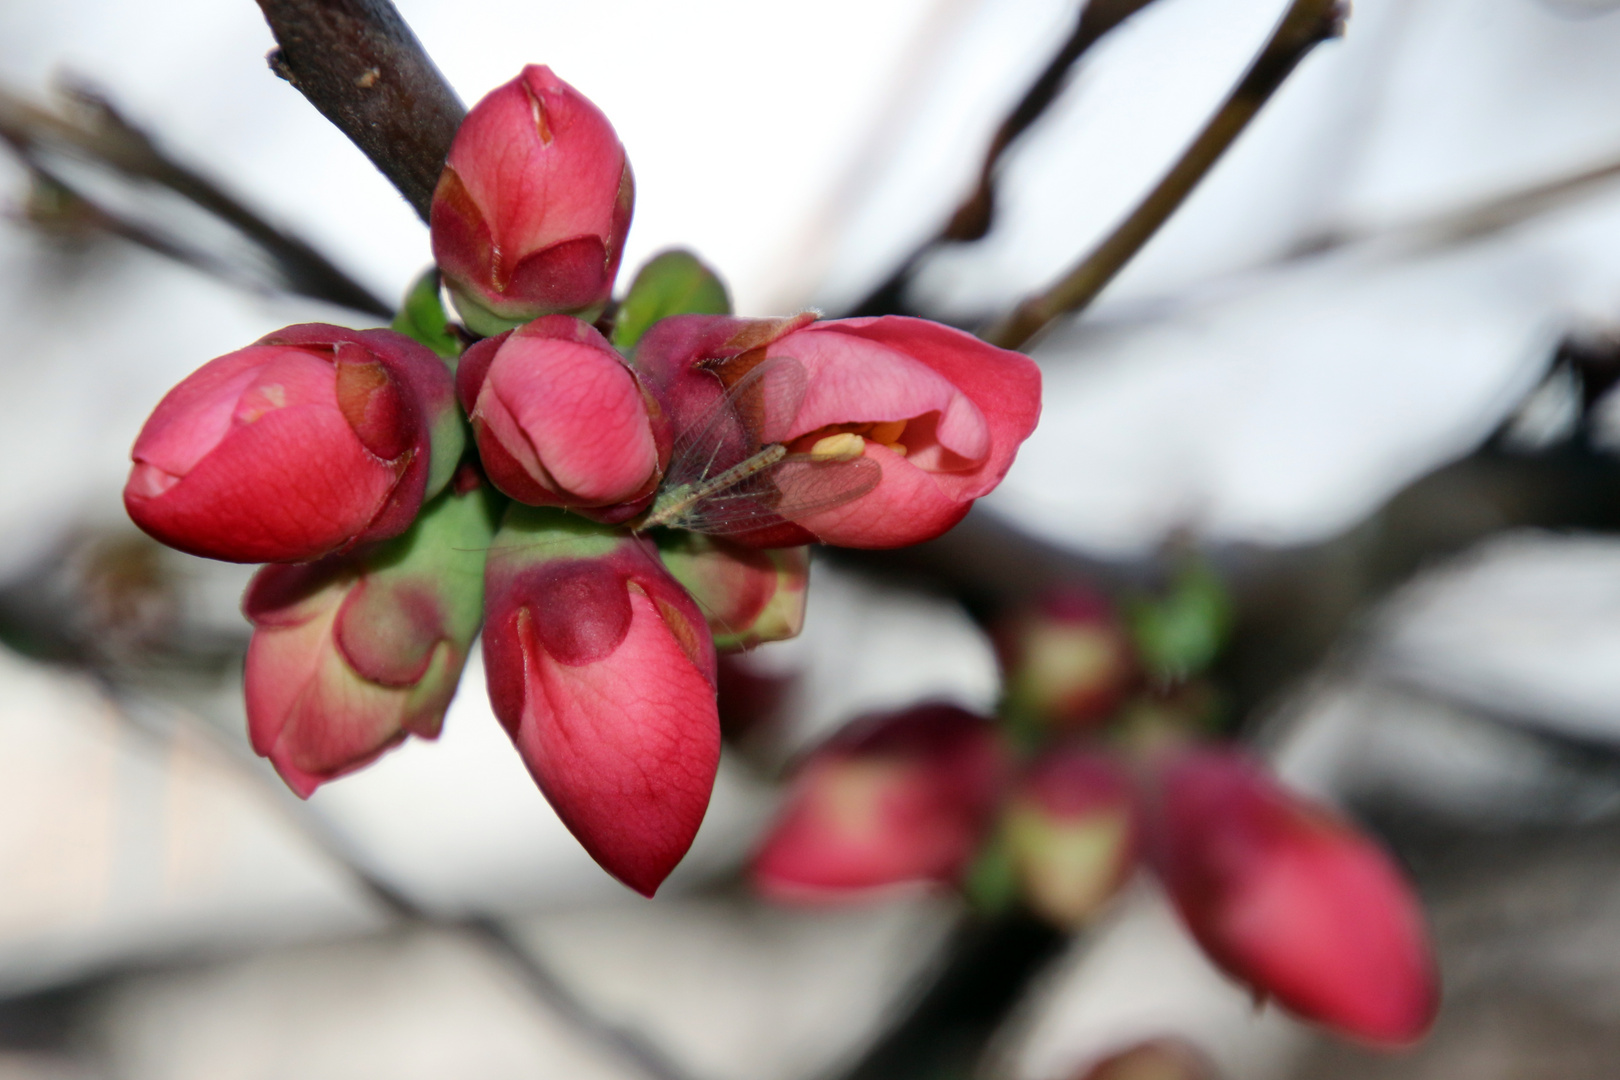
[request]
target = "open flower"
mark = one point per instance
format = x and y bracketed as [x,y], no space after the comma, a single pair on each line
[355,652]
[309,441]
[1292,899]
[601,669]
[530,214]
[941,412]
[894,800]
[559,419]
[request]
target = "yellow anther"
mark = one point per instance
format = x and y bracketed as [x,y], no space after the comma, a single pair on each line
[896,448]
[846,446]
[887,432]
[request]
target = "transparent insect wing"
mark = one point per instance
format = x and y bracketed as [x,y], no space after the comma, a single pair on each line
[794,488]
[757,410]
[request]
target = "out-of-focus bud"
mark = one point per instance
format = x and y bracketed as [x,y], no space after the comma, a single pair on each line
[1071,832]
[531,212]
[355,652]
[1292,899]
[940,412]
[895,800]
[750,596]
[1066,661]
[1157,1059]
[559,419]
[672,283]
[602,671]
[311,440]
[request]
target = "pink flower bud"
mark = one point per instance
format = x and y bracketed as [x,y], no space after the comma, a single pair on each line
[899,799]
[531,212]
[352,653]
[1293,899]
[1067,661]
[311,440]
[941,412]
[560,420]
[1071,831]
[601,669]
[1156,1059]
[750,596]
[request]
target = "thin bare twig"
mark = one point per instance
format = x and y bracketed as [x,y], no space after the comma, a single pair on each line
[972,218]
[155,720]
[1306,24]
[91,134]
[360,65]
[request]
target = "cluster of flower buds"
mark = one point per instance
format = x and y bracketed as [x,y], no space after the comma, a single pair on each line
[612,498]
[1103,762]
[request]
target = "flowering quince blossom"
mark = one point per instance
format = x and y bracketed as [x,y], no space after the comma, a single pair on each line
[1072,832]
[559,417]
[666,467]
[893,800]
[1066,661]
[1292,899]
[311,440]
[532,209]
[602,670]
[939,411]
[354,652]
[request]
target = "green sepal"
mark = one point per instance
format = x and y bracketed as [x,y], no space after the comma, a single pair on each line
[444,549]
[422,318]
[542,533]
[673,283]
[991,883]
[1179,634]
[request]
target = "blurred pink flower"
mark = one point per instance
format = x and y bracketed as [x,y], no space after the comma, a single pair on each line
[1292,899]
[1071,830]
[898,799]
[1066,661]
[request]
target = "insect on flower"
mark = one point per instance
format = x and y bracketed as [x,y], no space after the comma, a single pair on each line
[731,473]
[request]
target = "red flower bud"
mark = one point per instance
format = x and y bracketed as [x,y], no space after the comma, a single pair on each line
[941,412]
[311,440]
[749,596]
[531,212]
[900,799]
[352,653]
[1067,661]
[601,669]
[560,420]
[1071,830]
[1293,899]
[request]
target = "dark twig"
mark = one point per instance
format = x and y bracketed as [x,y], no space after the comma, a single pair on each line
[360,65]
[92,141]
[156,720]
[972,219]
[1306,24]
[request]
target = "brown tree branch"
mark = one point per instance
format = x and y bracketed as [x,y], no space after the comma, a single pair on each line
[972,218]
[91,134]
[1306,24]
[360,65]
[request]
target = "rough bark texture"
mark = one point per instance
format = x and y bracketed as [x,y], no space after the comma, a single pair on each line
[360,65]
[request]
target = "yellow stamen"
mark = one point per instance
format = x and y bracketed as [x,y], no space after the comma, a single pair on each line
[846,446]
[886,432]
[896,448]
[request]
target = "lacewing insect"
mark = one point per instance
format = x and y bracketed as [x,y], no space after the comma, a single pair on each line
[731,472]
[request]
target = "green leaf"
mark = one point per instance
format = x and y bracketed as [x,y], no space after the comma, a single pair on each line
[991,883]
[422,317]
[673,283]
[1181,633]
